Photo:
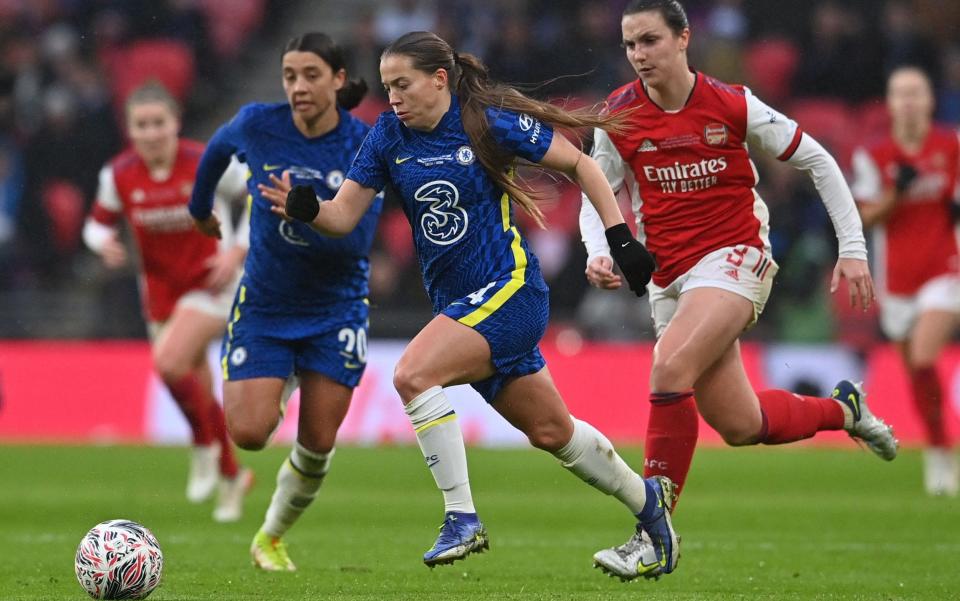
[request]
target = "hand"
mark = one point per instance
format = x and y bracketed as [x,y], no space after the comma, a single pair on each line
[600,274]
[113,253]
[905,176]
[277,194]
[209,226]
[859,282]
[224,267]
[302,204]
[634,260]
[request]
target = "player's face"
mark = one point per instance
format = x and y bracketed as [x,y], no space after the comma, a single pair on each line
[418,98]
[909,97]
[310,84]
[654,51]
[153,129]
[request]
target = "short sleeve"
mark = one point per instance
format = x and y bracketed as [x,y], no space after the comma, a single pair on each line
[108,207]
[867,179]
[368,168]
[770,130]
[520,134]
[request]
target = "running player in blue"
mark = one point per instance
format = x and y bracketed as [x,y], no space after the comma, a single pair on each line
[446,147]
[301,307]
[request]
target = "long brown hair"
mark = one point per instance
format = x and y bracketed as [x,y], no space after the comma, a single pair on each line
[469,80]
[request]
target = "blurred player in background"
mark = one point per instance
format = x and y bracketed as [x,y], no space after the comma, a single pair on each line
[301,307]
[906,184]
[448,147]
[188,280]
[683,157]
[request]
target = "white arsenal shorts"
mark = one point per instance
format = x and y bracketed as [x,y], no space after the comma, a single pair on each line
[898,313]
[743,270]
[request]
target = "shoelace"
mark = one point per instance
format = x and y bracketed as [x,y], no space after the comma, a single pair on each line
[630,546]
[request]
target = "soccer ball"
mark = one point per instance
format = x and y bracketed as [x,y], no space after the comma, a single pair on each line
[119,559]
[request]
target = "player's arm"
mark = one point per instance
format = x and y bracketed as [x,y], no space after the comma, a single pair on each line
[100,228]
[214,162]
[780,136]
[231,191]
[335,218]
[875,200]
[599,269]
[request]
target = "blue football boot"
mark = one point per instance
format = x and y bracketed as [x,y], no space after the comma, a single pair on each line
[460,535]
[861,423]
[654,549]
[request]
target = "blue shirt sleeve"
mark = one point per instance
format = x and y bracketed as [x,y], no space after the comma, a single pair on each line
[520,134]
[215,159]
[368,168]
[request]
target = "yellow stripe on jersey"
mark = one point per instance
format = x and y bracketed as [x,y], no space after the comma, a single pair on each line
[440,420]
[516,276]
[225,360]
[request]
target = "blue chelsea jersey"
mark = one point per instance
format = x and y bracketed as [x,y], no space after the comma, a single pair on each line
[290,261]
[462,222]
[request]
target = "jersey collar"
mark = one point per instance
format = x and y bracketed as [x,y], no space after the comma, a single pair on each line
[686,103]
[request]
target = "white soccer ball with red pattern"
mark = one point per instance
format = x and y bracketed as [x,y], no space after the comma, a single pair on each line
[119,559]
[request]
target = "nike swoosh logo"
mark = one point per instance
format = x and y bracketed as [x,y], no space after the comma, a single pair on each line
[624,245]
[269,167]
[399,161]
[434,463]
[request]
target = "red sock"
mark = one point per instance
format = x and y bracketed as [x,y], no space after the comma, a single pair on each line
[672,430]
[228,460]
[788,417]
[928,399]
[194,402]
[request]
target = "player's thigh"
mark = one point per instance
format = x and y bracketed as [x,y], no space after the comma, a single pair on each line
[182,343]
[252,406]
[931,332]
[323,406]
[444,353]
[726,399]
[533,405]
[707,321]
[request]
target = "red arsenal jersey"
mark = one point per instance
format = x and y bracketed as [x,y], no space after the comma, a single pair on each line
[918,241]
[173,253]
[690,176]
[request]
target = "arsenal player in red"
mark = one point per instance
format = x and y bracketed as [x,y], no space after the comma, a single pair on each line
[187,280]
[683,158]
[906,185]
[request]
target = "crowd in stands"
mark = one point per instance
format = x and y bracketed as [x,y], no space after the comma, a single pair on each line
[66,65]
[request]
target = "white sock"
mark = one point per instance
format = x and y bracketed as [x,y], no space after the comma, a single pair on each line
[441,441]
[298,481]
[591,456]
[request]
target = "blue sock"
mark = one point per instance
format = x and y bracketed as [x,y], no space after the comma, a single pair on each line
[651,505]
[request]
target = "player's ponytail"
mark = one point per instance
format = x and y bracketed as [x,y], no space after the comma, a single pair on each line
[322,45]
[469,79]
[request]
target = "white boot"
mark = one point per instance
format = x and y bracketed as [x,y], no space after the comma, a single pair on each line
[204,472]
[940,472]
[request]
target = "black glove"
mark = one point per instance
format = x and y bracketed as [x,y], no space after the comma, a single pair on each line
[634,260]
[302,203]
[905,176]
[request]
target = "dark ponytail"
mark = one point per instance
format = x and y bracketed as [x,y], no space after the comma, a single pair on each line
[470,80]
[323,46]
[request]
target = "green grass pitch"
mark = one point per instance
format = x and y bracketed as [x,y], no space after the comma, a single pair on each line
[759,523]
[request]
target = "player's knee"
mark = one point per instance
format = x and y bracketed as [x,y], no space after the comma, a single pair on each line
[248,435]
[409,380]
[740,434]
[169,367]
[669,373]
[550,435]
